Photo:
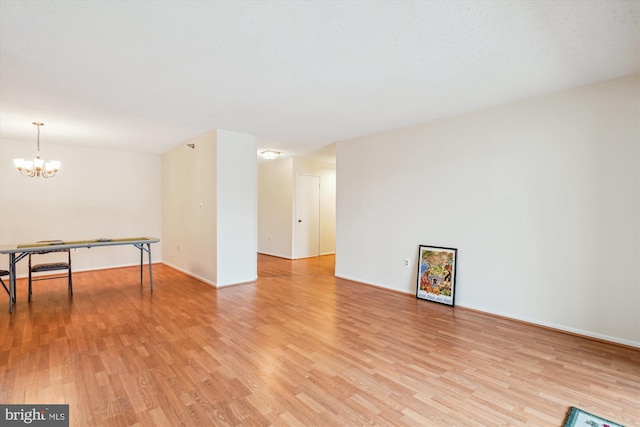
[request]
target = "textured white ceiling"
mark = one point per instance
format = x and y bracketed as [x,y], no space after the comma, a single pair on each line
[150,75]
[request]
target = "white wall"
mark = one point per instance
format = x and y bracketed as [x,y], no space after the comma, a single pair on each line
[276,205]
[275,208]
[540,197]
[189,208]
[209,208]
[237,208]
[97,193]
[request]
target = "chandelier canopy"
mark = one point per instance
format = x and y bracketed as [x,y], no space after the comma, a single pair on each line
[37,167]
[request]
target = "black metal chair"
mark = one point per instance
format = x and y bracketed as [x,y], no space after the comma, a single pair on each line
[50,266]
[6,273]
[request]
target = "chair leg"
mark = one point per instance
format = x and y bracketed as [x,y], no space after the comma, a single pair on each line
[29,299]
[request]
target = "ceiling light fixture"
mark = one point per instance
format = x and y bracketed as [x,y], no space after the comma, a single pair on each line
[270,154]
[37,166]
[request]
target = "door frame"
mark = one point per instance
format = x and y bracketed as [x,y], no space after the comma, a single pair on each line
[296,249]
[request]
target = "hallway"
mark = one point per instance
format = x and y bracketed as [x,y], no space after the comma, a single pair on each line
[270,266]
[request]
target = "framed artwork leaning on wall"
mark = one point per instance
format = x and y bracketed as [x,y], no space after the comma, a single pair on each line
[437,274]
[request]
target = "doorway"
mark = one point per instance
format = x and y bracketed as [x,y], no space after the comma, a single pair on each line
[307,221]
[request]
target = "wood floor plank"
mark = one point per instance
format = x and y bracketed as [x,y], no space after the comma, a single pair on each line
[298,347]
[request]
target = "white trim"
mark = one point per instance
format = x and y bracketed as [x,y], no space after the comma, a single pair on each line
[81,270]
[236,284]
[296,234]
[378,285]
[195,276]
[275,255]
[555,326]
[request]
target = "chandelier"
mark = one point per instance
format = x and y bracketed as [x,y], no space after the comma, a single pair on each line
[37,166]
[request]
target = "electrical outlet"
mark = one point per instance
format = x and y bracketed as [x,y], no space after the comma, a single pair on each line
[406,262]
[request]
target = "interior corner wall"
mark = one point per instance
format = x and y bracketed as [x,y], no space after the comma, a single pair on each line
[540,197]
[189,208]
[237,208]
[275,208]
[97,194]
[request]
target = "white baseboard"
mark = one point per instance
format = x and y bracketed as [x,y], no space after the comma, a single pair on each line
[377,285]
[81,270]
[286,257]
[274,255]
[549,325]
[236,284]
[555,326]
[195,276]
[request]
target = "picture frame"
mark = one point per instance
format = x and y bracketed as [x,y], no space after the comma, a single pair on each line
[437,274]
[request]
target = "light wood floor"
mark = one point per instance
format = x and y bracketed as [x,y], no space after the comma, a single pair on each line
[297,348]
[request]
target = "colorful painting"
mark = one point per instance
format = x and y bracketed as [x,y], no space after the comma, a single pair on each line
[437,274]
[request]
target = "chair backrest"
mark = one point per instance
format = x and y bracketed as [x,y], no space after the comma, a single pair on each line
[48,251]
[50,266]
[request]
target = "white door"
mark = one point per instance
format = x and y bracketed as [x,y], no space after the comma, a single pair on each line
[307,216]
